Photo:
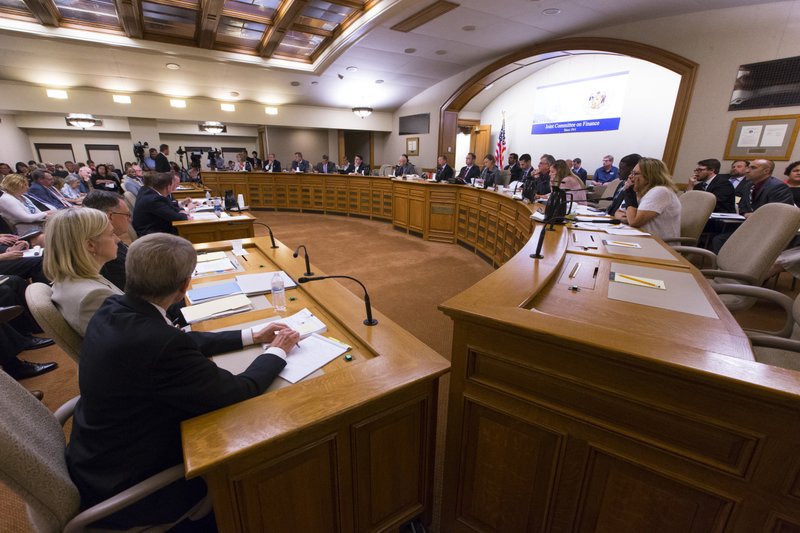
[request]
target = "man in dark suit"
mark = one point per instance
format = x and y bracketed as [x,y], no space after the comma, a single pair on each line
[444,172]
[255,162]
[741,185]
[469,171]
[581,172]
[162,163]
[326,166]
[404,167]
[42,190]
[272,164]
[626,165]
[140,377]
[154,212]
[358,167]
[299,164]
[513,167]
[720,186]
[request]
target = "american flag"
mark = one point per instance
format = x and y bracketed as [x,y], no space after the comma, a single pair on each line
[500,151]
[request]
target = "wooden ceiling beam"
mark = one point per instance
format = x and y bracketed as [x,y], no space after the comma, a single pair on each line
[312,30]
[284,17]
[45,11]
[130,16]
[208,22]
[355,4]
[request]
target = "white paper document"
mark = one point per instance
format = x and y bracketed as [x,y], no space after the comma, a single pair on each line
[217,308]
[262,283]
[220,265]
[749,137]
[210,256]
[625,231]
[774,135]
[204,216]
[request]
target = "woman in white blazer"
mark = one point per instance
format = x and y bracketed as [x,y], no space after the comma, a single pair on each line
[17,209]
[77,245]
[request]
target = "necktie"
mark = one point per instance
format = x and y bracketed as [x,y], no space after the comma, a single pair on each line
[703,186]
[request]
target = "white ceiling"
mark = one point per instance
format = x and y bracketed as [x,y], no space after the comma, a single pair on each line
[502,26]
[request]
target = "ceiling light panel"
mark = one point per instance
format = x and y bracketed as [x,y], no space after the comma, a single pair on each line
[227,107]
[175,102]
[121,99]
[59,94]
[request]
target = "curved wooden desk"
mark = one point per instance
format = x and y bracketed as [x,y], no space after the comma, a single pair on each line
[569,411]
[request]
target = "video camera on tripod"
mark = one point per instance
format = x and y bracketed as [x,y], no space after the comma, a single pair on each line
[138,152]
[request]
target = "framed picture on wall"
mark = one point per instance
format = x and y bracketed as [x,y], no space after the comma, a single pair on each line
[412,145]
[767,84]
[762,137]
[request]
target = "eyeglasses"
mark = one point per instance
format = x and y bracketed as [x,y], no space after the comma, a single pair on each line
[700,169]
[127,215]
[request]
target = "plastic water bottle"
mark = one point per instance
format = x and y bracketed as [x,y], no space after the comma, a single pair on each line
[208,196]
[278,293]
[217,205]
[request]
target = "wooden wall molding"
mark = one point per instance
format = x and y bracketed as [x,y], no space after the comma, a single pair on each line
[686,68]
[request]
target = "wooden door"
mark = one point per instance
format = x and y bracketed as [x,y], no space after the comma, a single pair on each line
[479,142]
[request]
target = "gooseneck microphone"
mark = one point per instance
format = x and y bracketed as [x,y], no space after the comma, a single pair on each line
[305,254]
[271,236]
[552,222]
[369,321]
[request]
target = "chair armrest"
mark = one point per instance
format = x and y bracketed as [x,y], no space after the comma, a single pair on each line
[64,412]
[699,251]
[125,498]
[762,294]
[780,343]
[711,273]
[688,241]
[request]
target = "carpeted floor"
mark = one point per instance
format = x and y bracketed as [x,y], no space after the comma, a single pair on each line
[406,278]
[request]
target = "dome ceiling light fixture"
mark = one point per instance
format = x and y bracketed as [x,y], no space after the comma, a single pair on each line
[82,120]
[362,112]
[213,127]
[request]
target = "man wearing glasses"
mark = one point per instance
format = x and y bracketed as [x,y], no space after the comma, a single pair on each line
[708,180]
[607,172]
[114,206]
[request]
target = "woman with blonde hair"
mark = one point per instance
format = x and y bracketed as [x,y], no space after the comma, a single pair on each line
[652,203]
[562,177]
[17,209]
[77,245]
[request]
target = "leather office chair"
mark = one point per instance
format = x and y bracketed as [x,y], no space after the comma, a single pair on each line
[40,303]
[779,347]
[696,207]
[34,466]
[748,254]
[387,170]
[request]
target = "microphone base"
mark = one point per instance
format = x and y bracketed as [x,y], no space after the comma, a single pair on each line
[307,273]
[372,322]
[537,256]
[275,247]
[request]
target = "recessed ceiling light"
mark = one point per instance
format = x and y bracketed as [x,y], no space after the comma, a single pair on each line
[378,81]
[173,66]
[352,69]
[177,103]
[551,11]
[440,52]
[295,84]
[227,107]
[468,28]
[234,94]
[410,50]
[271,110]
[57,93]
[121,98]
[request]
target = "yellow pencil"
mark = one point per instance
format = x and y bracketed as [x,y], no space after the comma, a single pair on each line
[637,280]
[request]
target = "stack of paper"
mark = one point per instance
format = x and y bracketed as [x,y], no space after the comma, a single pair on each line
[212,292]
[305,323]
[210,256]
[218,266]
[625,231]
[216,308]
[204,216]
[262,283]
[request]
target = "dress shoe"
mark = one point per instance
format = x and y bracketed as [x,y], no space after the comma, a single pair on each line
[39,395]
[9,313]
[35,343]
[25,369]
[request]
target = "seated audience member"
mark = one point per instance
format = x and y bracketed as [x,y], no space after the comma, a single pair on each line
[489,173]
[766,188]
[741,186]
[513,167]
[242,164]
[255,162]
[42,189]
[78,243]
[102,179]
[326,166]
[578,170]
[523,177]
[626,165]
[299,164]
[607,172]
[561,177]
[708,180]
[5,170]
[150,159]
[792,174]
[272,164]
[21,168]
[652,203]
[470,171]
[72,190]
[154,212]
[133,180]
[444,172]
[541,182]
[85,174]
[115,208]
[117,172]
[17,209]
[12,262]
[90,164]
[140,377]
[404,167]
[358,168]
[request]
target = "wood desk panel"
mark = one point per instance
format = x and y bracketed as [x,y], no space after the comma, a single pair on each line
[351,450]
[239,226]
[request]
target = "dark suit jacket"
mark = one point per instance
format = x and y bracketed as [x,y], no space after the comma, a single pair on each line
[46,196]
[139,379]
[444,173]
[114,270]
[617,198]
[514,171]
[364,168]
[743,188]
[154,213]
[773,191]
[581,173]
[468,175]
[275,166]
[331,167]
[304,166]
[162,163]
[721,188]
